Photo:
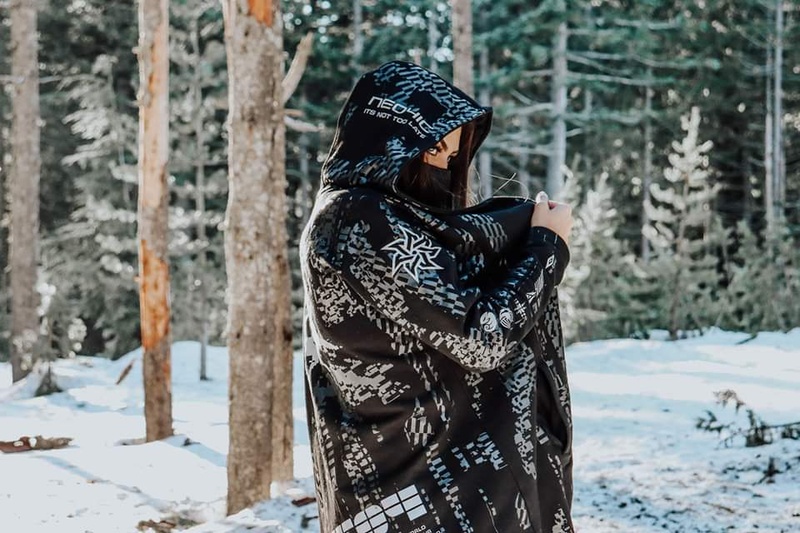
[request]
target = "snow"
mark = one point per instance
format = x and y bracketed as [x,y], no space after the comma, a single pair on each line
[640,463]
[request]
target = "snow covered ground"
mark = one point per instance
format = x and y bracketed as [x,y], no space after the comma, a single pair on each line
[640,464]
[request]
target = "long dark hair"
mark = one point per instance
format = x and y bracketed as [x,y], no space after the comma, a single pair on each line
[415,180]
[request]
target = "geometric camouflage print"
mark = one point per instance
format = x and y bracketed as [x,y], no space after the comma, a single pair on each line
[436,385]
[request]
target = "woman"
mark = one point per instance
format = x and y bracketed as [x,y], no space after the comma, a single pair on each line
[436,388]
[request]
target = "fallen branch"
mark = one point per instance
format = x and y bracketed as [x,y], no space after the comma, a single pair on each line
[125,371]
[303,500]
[748,339]
[26,444]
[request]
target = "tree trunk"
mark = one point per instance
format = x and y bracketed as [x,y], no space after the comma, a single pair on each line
[558,151]
[647,171]
[4,355]
[589,142]
[358,39]
[433,40]
[305,196]
[779,169]
[463,75]
[485,155]
[256,256]
[769,145]
[200,188]
[152,217]
[24,187]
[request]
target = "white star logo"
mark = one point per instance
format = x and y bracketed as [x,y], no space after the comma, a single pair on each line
[413,253]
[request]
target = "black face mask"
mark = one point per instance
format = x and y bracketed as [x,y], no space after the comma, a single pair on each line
[437,192]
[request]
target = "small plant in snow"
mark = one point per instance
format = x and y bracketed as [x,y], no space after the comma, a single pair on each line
[755,431]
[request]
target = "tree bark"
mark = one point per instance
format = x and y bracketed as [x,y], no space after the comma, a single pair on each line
[558,153]
[25,173]
[153,230]
[463,74]
[485,155]
[523,158]
[358,39]
[200,186]
[647,171]
[769,146]
[256,255]
[779,169]
[433,41]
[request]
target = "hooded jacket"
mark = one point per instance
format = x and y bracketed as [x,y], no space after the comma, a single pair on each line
[436,388]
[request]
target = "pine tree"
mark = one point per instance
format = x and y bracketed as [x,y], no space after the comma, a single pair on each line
[765,280]
[197,166]
[599,272]
[681,233]
[93,256]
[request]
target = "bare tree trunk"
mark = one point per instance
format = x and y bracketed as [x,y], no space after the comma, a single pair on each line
[259,327]
[283,417]
[558,153]
[769,145]
[25,172]
[3,238]
[358,39]
[305,194]
[485,155]
[523,157]
[153,52]
[200,187]
[647,177]
[463,75]
[433,41]
[778,151]
[589,142]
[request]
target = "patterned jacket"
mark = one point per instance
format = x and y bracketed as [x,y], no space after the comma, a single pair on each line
[436,386]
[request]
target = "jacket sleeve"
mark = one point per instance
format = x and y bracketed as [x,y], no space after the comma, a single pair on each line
[414,280]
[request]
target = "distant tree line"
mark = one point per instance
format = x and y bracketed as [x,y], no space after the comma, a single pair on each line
[589,97]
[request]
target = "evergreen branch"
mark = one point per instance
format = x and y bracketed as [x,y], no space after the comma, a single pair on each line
[650,25]
[616,79]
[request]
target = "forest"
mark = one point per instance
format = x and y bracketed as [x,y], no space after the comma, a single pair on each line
[671,126]
[591,95]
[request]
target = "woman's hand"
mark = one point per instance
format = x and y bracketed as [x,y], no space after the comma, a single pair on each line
[556,216]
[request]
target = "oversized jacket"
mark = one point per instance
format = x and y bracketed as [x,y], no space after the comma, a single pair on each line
[436,386]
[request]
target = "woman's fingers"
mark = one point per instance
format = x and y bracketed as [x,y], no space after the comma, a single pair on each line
[542,197]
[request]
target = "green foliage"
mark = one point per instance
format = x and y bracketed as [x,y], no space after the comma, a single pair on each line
[765,282]
[600,273]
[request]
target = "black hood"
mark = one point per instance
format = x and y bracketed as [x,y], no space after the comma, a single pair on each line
[393,114]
